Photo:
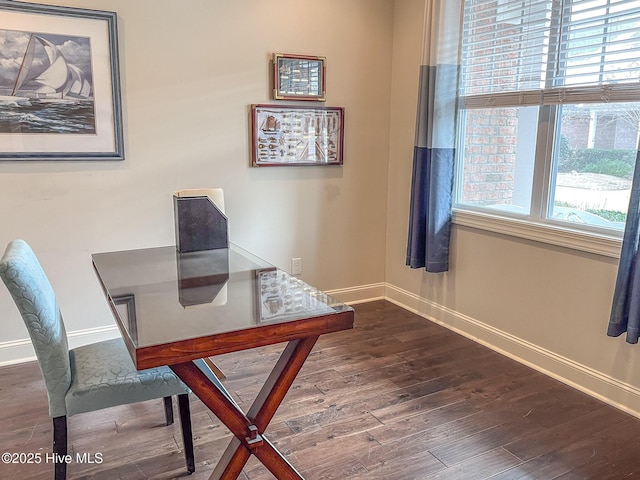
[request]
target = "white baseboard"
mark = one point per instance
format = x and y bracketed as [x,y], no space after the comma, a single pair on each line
[361,294]
[592,382]
[19,351]
[596,384]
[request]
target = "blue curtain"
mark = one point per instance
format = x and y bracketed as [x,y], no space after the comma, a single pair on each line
[625,311]
[434,153]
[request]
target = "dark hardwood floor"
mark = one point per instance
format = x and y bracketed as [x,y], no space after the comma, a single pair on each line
[397,398]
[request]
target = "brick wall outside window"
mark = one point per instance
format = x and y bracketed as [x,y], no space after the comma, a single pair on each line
[490,156]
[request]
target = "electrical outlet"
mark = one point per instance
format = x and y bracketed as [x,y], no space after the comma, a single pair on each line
[296,266]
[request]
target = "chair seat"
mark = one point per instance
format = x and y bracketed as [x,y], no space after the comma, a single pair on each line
[103,375]
[87,378]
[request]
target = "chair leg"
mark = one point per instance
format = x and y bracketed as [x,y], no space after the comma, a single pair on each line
[187,434]
[168,410]
[60,446]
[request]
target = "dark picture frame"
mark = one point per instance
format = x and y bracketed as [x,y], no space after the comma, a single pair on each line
[60,92]
[298,77]
[296,135]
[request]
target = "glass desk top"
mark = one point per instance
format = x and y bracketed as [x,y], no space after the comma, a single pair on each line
[200,303]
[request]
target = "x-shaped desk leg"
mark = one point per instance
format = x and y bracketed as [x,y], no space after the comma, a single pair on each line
[249,429]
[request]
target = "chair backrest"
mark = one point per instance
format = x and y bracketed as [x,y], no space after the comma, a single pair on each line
[36,301]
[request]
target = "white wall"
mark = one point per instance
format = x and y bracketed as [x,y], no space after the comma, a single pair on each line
[544,305]
[190,70]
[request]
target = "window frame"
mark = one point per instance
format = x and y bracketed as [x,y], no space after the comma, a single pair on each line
[538,225]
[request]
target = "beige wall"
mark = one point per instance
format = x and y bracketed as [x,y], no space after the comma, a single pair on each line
[190,70]
[544,305]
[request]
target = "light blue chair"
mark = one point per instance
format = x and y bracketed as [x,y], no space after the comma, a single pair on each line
[90,377]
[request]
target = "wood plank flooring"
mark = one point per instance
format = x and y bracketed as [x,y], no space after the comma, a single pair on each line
[397,398]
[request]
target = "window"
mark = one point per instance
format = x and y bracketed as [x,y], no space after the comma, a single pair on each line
[549,110]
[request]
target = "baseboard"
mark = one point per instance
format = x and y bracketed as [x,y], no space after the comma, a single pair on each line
[19,351]
[361,294]
[592,382]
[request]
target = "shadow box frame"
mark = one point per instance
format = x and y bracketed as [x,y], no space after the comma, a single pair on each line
[296,135]
[86,108]
[292,77]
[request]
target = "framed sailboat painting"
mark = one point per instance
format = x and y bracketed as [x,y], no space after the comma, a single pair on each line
[59,84]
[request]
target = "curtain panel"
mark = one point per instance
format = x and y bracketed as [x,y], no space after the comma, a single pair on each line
[625,311]
[434,152]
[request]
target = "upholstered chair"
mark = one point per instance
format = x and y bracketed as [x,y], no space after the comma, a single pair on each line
[87,378]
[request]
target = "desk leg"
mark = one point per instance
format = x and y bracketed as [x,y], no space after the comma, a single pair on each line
[249,429]
[214,398]
[275,462]
[269,399]
[232,461]
[280,379]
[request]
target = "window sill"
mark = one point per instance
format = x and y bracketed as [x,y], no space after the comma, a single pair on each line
[599,243]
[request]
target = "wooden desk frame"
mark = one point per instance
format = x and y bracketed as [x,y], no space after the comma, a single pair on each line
[248,430]
[185,358]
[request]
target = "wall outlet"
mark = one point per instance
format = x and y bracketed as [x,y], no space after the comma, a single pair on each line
[296,266]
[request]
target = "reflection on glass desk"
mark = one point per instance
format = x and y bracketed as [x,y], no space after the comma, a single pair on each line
[282,296]
[160,296]
[202,277]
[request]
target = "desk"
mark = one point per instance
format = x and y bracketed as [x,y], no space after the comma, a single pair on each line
[177,308]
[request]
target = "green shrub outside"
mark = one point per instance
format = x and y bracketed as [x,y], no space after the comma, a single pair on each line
[618,163]
[611,215]
[616,168]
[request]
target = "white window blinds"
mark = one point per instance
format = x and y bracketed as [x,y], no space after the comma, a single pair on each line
[532,52]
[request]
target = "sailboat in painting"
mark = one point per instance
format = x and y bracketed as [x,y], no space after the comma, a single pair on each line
[50,79]
[46,84]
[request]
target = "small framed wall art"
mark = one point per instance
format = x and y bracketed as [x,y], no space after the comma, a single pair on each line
[298,77]
[296,135]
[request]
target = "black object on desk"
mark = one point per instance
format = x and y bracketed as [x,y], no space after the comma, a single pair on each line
[199,224]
